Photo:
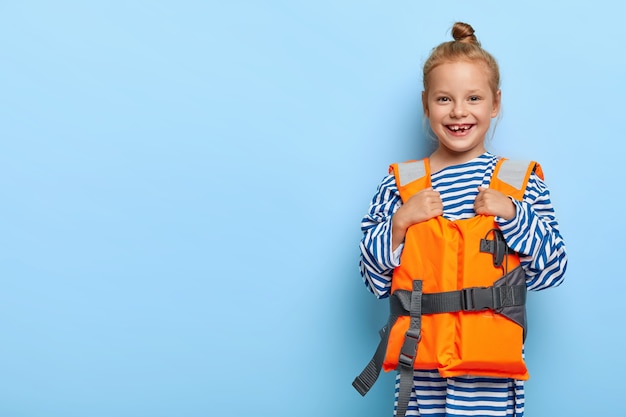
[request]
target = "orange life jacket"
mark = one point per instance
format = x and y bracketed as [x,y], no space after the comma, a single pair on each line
[458,297]
[457,257]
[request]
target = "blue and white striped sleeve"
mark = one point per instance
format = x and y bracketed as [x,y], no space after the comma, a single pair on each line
[534,234]
[377,260]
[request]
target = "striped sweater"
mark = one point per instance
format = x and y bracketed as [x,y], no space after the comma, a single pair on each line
[533,233]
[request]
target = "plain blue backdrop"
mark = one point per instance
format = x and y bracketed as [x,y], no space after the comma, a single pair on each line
[182,184]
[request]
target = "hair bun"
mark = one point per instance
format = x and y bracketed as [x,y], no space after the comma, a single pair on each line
[462,32]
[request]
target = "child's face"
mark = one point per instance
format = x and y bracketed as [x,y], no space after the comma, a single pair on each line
[459,105]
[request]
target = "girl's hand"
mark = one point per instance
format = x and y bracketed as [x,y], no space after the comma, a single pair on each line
[493,203]
[424,205]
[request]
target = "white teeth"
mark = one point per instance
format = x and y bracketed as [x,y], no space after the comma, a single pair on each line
[456,127]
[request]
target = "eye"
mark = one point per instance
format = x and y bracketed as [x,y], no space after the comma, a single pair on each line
[474,98]
[442,99]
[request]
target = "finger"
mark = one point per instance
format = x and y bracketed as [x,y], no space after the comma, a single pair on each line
[479,205]
[480,210]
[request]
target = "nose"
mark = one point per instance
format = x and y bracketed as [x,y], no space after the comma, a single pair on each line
[458,110]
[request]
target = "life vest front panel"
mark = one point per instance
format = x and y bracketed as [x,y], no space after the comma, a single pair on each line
[445,255]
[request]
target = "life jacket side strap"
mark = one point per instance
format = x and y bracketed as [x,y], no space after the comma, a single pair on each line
[516,313]
[367,378]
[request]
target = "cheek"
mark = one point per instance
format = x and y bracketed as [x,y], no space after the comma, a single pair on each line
[438,113]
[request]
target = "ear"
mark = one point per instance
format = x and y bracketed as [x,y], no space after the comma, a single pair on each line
[496,103]
[425,103]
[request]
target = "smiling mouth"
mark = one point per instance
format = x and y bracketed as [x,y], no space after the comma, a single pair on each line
[459,129]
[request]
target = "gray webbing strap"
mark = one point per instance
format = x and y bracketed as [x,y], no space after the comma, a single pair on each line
[404,390]
[364,382]
[468,299]
[475,298]
[408,351]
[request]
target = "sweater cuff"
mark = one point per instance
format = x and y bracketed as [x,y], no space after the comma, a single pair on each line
[395,256]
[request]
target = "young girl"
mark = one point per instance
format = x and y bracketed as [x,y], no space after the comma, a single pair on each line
[461,95]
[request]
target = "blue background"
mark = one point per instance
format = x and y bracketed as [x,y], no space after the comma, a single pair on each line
[182,185]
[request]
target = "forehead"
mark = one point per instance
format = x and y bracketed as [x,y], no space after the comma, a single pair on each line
[453,74]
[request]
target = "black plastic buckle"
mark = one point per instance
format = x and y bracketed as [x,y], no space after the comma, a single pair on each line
[409,348]
[477,298]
